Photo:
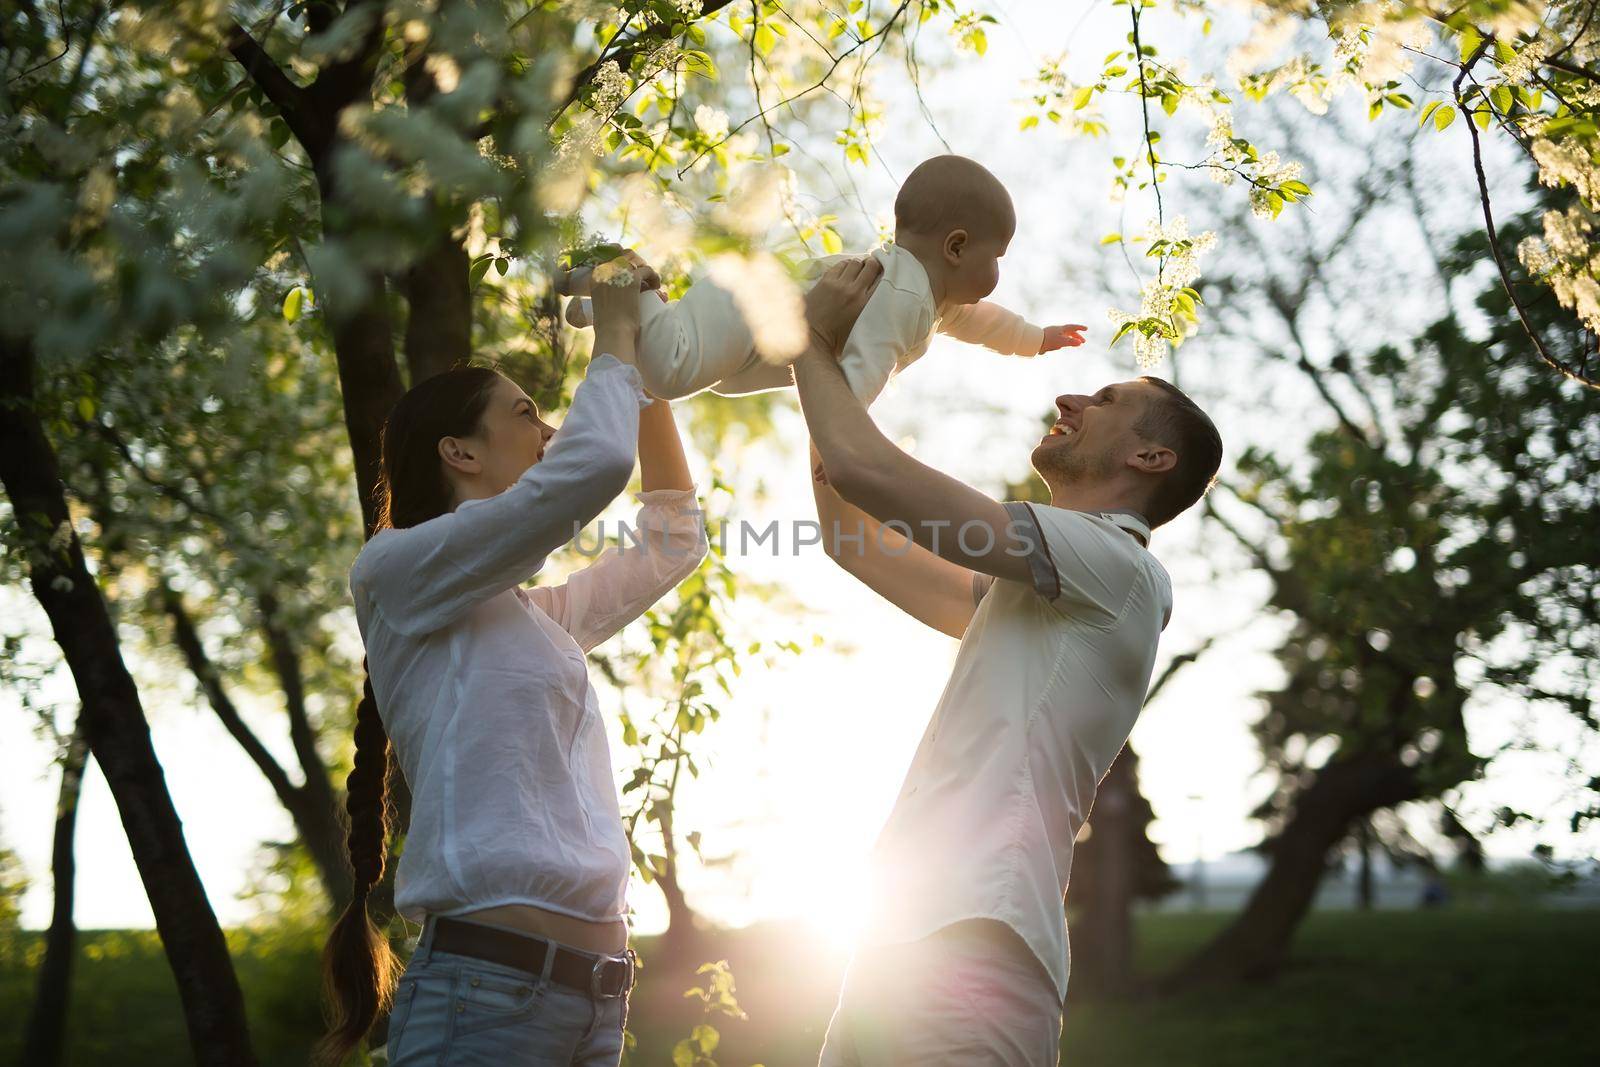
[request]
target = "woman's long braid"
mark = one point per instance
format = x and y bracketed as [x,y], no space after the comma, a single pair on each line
[358,967]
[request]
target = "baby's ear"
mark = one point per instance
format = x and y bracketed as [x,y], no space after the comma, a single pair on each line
[955,243]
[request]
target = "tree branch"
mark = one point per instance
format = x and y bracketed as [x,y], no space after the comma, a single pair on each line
[625,51]
[188,641]
[286,665]
[1177,664]
[1555,364]
[289,98]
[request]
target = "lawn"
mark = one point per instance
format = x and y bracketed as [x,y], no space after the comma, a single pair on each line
[1412,988]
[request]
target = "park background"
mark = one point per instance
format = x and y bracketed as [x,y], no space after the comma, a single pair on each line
[1385,409]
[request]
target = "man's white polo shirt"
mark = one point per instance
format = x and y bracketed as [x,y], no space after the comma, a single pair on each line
[1046,687]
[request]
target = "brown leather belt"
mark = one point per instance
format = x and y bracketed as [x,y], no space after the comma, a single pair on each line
[602,977]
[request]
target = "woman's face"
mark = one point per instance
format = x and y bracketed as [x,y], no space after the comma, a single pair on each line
[511,437]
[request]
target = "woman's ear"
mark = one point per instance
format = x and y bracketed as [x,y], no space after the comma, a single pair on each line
[955,242]
[458,455]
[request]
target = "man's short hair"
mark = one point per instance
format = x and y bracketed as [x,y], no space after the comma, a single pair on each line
[1173,420]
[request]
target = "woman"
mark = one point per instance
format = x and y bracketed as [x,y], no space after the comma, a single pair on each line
[515,860]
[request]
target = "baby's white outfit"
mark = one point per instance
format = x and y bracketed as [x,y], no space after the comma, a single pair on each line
[703,341]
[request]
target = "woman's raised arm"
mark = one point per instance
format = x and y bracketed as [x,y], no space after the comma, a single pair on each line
[424,577]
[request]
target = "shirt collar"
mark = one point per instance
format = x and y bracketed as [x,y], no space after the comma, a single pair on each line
[1129,520]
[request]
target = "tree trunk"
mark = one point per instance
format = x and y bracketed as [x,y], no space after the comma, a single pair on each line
[1102,939]
[683,925]
[315,818]
[1256,943]
[439,316]
[44,1042]
[115,724]
[1364,871]
[319,823]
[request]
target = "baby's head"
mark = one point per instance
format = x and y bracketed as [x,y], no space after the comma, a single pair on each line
[957,219]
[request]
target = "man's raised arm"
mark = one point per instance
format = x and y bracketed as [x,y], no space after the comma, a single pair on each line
[939,513]
[931,590]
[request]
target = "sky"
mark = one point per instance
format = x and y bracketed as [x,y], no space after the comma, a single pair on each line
[801,771]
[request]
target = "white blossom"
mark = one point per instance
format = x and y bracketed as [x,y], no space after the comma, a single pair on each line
[767,297]
[712,122]
[610,87]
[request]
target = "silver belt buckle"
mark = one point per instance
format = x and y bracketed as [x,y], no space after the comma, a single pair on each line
[597,976]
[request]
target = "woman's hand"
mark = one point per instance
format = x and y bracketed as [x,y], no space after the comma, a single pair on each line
[835,302]
[615,289]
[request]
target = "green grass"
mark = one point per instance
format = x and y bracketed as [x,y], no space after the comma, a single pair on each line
[1410,988]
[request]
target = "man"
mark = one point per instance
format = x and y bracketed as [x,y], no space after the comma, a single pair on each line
[1058,609]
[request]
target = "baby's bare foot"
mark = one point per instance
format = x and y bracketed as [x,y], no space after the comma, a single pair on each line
[580,312]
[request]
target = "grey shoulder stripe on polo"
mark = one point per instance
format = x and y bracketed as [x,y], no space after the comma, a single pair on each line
[1040,564]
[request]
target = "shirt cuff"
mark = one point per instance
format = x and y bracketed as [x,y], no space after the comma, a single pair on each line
[605,361]
[1046,582]
[1033,340]
[668,498]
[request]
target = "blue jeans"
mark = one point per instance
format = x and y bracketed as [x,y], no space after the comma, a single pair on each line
[457,1010]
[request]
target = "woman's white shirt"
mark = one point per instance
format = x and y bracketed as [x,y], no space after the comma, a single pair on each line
[483,685]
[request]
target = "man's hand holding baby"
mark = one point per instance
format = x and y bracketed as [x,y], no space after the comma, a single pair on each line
[835,302]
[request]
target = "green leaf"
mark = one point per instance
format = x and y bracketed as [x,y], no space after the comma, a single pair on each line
[291,304]
[1111,239]
[475,275]
[1081,97]
[1444,116]
[1470,40]
[1502,98]
[765,39]
[706,1037]
[1029,122]
[86,408]
[502,265]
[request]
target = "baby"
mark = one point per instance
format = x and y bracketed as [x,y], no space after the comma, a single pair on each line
[953,222]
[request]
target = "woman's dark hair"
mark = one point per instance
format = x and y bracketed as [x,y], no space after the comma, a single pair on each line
[359,969]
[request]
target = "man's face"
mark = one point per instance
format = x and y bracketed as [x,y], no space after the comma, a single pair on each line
[1092,435]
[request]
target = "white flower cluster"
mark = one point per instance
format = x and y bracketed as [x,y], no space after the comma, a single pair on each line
[1219,143]
[1270,171]
[1566,259]
[663,57]
[712,122]
[1305,85]
[1567,162]
[689,9]
[1183,262]
[581,139]
[610,87]
[772,305]
[1525,63]
[1158,298]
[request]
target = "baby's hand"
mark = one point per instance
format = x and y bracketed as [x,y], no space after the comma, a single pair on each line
[1055,337]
